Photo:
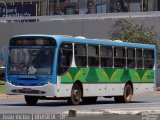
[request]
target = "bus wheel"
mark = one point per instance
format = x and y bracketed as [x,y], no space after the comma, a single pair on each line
[89,100]
[75,95]
[31,100]
[127,95]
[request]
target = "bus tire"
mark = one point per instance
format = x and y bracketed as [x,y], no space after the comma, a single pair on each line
[31,100]
[76,94]
[89,100]
[127,95]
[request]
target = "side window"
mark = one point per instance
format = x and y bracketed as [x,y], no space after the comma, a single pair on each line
[139,58]
[64,57]
[130,58]
[119,57]
[93,55]
[106,56]
[148,59]
[80,55]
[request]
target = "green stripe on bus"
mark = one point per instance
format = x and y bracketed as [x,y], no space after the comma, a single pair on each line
[108,75]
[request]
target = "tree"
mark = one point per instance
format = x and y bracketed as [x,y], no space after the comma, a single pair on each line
[126,31]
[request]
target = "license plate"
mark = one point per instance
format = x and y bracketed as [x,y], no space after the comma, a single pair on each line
[27,89]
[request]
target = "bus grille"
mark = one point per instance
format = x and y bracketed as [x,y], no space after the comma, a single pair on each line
[28,91]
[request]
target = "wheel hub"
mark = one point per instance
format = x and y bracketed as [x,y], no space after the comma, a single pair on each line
[76,95]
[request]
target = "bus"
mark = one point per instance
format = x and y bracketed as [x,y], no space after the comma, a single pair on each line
[76,69]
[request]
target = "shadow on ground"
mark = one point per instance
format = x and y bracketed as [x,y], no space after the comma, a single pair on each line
[52,103]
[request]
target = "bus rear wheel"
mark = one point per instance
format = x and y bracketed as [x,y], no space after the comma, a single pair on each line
[127,95]
[89,100]
[75,95]
[31,100]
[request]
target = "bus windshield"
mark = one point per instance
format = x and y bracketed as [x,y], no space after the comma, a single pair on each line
[37,61]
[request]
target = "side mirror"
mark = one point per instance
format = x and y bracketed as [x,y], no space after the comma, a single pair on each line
[2,54]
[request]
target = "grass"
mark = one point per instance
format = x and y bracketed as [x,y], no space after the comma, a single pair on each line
[2,89]
[2,86]
[1,82]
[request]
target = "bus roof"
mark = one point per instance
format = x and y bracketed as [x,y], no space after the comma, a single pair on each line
[66,38]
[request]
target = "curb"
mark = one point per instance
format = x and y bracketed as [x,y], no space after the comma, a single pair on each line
[129,111]
[133,112]
[158,89]
[3,96]
[74,113]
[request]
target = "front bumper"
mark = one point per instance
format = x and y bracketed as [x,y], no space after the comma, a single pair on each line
[46,90]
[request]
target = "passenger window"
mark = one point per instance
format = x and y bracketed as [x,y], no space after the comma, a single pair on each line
[80,55]
[139,58]
[130,58]
[148,59]
[119,57]
[64,57]
[93,55]
[106,56]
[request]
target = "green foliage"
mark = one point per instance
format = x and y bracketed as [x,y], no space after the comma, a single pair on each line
[2,86]
[126,31]
[2,90]
[1,82]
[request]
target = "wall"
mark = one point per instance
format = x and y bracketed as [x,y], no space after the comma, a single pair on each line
[92,26]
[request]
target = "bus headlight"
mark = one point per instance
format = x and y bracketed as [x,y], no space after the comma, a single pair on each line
[49,81]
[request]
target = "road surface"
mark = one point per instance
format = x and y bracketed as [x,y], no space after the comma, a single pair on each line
[18,105]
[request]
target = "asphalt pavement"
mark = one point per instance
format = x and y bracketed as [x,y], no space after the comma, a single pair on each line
[141,102]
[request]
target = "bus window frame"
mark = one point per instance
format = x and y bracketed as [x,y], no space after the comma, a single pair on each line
[85,45]
[58,63]
[97,57]
[123,48]
[150,59]
[133,58]
[106,57]
[137,58]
